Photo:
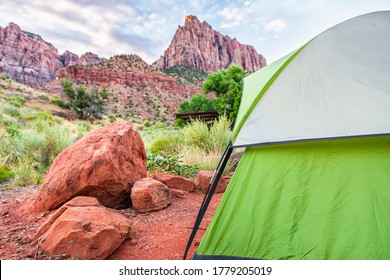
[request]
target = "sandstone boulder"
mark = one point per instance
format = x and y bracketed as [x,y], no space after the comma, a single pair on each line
[83,229]
[103,164]
[203,180]
[175,182]
[148,195]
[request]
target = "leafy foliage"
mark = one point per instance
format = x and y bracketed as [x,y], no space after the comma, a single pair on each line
[198,103]
[227,84]
[169,164]
[4,174]
[85,104]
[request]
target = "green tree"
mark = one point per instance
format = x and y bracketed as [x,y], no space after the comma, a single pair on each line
[198,103]
[227,85]
[85,104]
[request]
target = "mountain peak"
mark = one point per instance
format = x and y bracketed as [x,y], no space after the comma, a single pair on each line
[199,46]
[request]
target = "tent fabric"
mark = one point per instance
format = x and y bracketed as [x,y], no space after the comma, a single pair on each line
[314,180]
[337,86]
[313,200]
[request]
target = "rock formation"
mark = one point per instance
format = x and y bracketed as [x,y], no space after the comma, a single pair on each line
[104,164]
[199,46]
[30,60]
[136,88]
[149,195]
[26,57]
[175,182]
[203,180]
[83,229]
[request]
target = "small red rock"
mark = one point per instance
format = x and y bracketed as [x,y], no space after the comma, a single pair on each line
[203,180]
[175,181]
[149,195]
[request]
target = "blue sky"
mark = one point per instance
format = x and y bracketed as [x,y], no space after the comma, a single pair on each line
[146,28]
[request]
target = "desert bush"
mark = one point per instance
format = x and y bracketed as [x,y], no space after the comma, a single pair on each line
[30,152]
[4,174]
[16,100]
[159,163]
[11,111]
[196,134]
[197,144]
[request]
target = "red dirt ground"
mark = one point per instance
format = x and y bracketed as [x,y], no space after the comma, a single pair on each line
[159,235]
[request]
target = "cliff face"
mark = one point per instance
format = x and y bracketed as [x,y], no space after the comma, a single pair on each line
[30,60]
[135,88]
[26,57]
[199,46]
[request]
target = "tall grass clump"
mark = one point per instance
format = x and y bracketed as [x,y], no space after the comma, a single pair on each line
[29,152]
[198,144]
[205,143]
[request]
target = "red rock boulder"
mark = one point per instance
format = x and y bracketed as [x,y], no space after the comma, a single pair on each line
[175,182]
[149,195]
[104,164]
[203,180]
[83,229]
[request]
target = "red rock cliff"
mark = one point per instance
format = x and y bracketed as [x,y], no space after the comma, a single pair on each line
[30,60]
[199,46]
[26,57]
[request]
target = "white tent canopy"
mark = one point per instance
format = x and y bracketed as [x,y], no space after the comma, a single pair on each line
[337,85]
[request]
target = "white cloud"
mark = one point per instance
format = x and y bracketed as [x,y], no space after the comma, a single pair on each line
[233,16]
[275,25]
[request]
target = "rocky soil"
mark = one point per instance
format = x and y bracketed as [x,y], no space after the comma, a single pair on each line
[159,235]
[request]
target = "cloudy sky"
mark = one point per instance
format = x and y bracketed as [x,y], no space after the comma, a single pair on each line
[146,28]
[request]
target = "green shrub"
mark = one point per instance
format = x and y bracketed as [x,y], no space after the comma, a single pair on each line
[16,100]
[11,111]
[196,134]
[26,174]
[169,144]
[86,104]
[4,174]
[147,123]
[158,163]
[56,100]
[220,134]
[44,97]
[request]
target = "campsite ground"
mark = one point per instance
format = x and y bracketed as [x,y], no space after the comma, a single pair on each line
[159,235]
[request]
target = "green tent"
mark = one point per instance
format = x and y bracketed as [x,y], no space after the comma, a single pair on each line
[314,180]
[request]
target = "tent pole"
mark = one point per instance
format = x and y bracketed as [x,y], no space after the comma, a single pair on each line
[209,194]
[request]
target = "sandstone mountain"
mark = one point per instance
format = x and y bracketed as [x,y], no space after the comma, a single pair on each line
[68,59]
[30,60]
[199,46]
[135,88]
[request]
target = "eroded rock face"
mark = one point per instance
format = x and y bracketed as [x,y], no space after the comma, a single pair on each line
[199,46]
[149,195]
[175,182]
[203,180]
[104,164]
[26,57]
[30,60]
[83,229]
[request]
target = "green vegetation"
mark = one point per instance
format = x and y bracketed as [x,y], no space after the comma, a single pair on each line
[4,174]
[196,146]
[227,85]
[184,74]
[30,136]
[159,163]
[198,103]
[85,104]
